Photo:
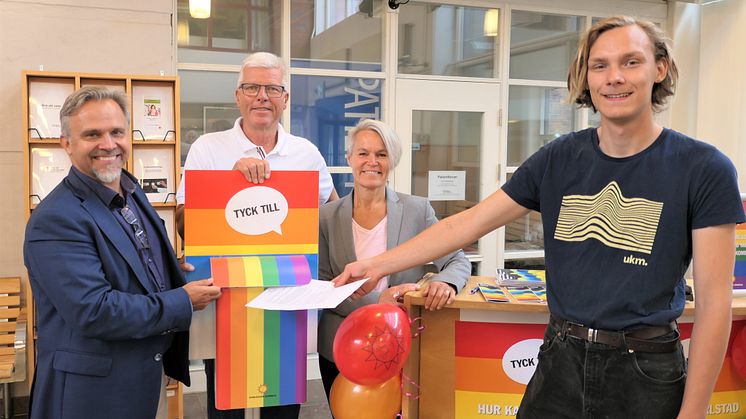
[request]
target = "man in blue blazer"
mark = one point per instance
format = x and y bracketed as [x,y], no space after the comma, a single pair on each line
[113,310]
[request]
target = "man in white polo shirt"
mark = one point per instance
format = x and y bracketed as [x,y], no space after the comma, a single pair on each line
[255,145]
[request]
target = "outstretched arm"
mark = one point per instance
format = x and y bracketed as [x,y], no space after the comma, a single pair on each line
[438,240]
[714,256]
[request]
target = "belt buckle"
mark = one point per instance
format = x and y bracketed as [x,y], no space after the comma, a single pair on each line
[592,335]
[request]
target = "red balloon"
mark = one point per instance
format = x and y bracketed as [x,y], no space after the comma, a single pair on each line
[738,353]
[372,343]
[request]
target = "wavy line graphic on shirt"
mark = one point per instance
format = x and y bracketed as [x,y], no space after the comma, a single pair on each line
[611,218]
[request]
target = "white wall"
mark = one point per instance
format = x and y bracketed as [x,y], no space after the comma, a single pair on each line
[685,27]
[92,36]
[721,110]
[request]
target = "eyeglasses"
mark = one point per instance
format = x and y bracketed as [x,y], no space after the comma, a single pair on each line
[272,90]
[131,219]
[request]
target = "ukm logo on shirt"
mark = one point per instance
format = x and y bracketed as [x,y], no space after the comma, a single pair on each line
[611,218]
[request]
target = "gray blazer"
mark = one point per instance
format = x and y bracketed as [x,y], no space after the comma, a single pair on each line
[407,216]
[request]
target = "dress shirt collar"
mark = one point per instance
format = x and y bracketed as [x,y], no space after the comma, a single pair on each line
[107,195]
[279,149]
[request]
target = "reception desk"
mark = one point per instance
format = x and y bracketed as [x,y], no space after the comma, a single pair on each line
[473,358]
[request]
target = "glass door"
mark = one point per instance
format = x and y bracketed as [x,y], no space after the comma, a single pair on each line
[452,129]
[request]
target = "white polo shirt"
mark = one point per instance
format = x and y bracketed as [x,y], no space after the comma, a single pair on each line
[221,150]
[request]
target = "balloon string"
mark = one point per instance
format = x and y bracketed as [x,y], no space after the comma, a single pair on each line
[412,382]
[419,329]
[407,393]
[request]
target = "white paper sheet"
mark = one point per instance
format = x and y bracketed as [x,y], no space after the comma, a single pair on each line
[315,294]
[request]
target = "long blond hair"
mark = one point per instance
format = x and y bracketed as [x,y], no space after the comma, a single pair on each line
[577,78]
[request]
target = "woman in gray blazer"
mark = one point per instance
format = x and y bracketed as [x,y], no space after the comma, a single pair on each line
[370,220]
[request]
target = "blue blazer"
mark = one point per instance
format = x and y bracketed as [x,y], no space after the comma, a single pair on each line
[105,335]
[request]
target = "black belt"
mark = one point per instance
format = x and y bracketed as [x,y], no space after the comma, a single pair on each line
[635,339]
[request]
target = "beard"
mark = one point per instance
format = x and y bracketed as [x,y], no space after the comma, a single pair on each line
[109,174]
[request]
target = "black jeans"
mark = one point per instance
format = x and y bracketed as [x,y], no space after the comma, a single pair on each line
[290,411]
[577,379]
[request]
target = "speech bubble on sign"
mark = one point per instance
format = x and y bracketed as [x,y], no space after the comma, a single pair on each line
[257,210]
[519,361]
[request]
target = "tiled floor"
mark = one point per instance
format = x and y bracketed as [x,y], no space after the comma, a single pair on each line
[315,408]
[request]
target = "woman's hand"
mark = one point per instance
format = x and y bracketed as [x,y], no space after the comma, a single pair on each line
[437,294]
[395,294]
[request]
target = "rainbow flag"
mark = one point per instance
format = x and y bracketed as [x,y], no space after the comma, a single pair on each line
[248,237]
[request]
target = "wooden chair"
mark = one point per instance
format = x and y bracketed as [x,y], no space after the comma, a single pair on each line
[12,338]
[175,398]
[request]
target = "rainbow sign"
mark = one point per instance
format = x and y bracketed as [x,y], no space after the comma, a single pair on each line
[494,362]
[740,268]
[260,271]
[248,237]
[260,354]
[728,400]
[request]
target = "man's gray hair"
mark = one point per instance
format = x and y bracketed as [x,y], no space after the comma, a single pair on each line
[75,101]
[388,136]
[264,60]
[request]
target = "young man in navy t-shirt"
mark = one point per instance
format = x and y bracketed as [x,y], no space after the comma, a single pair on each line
[625,207]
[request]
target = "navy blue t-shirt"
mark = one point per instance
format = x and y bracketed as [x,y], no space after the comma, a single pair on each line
[617,231]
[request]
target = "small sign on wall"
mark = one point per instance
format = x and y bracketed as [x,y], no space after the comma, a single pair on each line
[446,185]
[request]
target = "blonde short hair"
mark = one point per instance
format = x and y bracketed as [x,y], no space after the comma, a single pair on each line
[388,136]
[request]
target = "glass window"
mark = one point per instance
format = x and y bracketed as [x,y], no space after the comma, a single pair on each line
[323,109]
[230,29]
[447,141]
[190,32]
[525,233]
[438,39]
[343,183]
[542,46]
[234,28]
[336,34]
[206,110]
[537,263]
[536,115]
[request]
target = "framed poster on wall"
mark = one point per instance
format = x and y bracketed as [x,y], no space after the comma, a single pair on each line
[154,168]
[45,100]
[49,165]
[153,111]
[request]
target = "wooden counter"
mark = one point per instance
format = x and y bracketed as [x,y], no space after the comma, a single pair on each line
[431,364]
[465,299]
